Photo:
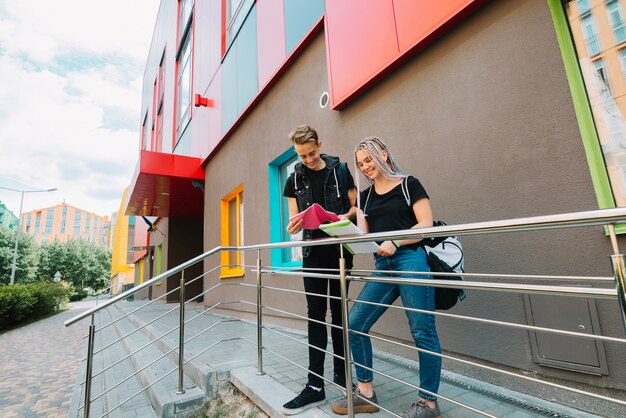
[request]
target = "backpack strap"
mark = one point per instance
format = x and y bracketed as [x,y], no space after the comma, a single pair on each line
[405,191]
[342,173]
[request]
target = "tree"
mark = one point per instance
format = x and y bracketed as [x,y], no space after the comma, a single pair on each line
[80,263]
[26,265]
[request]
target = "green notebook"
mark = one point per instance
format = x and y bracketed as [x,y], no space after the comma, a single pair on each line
[346,228]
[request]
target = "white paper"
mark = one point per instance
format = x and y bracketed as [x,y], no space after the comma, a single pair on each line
[346,228]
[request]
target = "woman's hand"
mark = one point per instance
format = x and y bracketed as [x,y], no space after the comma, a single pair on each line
[295,227]
[387,249]
[344,217]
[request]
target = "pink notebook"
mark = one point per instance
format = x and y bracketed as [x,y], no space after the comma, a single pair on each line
[314,216]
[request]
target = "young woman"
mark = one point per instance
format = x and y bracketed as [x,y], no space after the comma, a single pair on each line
[322,179]
[393,201]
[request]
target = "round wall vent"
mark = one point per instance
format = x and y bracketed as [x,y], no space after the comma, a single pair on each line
[324,98]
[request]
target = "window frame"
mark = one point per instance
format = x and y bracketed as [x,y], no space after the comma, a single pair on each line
[160,96]
[614,9]
[276,186]
[49,220]
[227,271]
[184,72]
[587,22]
[232,22]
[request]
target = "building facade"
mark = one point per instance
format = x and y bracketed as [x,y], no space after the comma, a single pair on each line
[489,103]
[63,223]
[7,218]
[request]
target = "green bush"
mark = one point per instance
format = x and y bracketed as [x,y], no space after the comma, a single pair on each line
[76,294]
[49,297]
[19,303]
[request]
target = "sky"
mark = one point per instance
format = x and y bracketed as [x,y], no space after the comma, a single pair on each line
[70,99]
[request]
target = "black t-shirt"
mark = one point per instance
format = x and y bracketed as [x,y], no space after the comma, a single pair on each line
[389,211]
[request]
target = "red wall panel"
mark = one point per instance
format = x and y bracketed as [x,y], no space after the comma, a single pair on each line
[360,42]
[270,38]
[416,20]
[364,43]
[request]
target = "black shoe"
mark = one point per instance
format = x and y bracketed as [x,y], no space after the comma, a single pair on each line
[308,398]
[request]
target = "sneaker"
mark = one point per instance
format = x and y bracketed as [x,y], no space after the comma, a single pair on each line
[420,409]
[308,398]
[340,406]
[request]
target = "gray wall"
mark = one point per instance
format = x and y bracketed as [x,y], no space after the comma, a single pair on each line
[484,118]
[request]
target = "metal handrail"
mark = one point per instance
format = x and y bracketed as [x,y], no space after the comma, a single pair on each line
[590,218]
[535,223]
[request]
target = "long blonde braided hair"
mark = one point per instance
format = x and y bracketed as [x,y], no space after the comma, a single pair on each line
[372,147]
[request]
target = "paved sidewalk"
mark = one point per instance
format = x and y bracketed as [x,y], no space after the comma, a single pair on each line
[39,365]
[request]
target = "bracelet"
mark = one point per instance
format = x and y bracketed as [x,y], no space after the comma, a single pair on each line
[395,243]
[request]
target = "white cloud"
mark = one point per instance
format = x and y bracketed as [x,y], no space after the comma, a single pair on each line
[70,100]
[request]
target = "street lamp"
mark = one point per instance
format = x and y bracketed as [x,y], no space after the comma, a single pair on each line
[19,224]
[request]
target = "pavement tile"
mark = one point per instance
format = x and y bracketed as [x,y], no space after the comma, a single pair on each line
[39,365]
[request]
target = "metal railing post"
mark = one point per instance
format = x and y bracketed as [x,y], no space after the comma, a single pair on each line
[619,271]
[259,316]
[346,337]
[181,335]
[89,367]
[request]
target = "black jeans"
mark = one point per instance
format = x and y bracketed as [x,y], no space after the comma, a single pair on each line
[317,307]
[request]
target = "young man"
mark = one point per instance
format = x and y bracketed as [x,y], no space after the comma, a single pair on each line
[322,179]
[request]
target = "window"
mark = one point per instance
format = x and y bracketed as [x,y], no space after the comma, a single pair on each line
[583,6]
[49,220]
[183,86]
[617,21]
[28,222]
[279,170]
[591,35]
[183,68]
[37,222]
[235,14]
[184,13]
[77,223]
[87,224]
[158,146]
[232,232]
[622,61]
[144,133]
[63,219]
[602,77]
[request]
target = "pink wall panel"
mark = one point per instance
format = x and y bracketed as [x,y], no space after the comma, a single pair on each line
[416,20]
[360,42]
[270,38]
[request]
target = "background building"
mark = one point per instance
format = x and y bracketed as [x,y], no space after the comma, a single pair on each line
[7,218]
[490,104]
[64,222]
[122,243]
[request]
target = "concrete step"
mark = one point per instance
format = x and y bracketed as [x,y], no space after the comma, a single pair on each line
[158,373]
[113,380]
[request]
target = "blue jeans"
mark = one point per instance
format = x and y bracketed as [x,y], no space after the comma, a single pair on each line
[363,316]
